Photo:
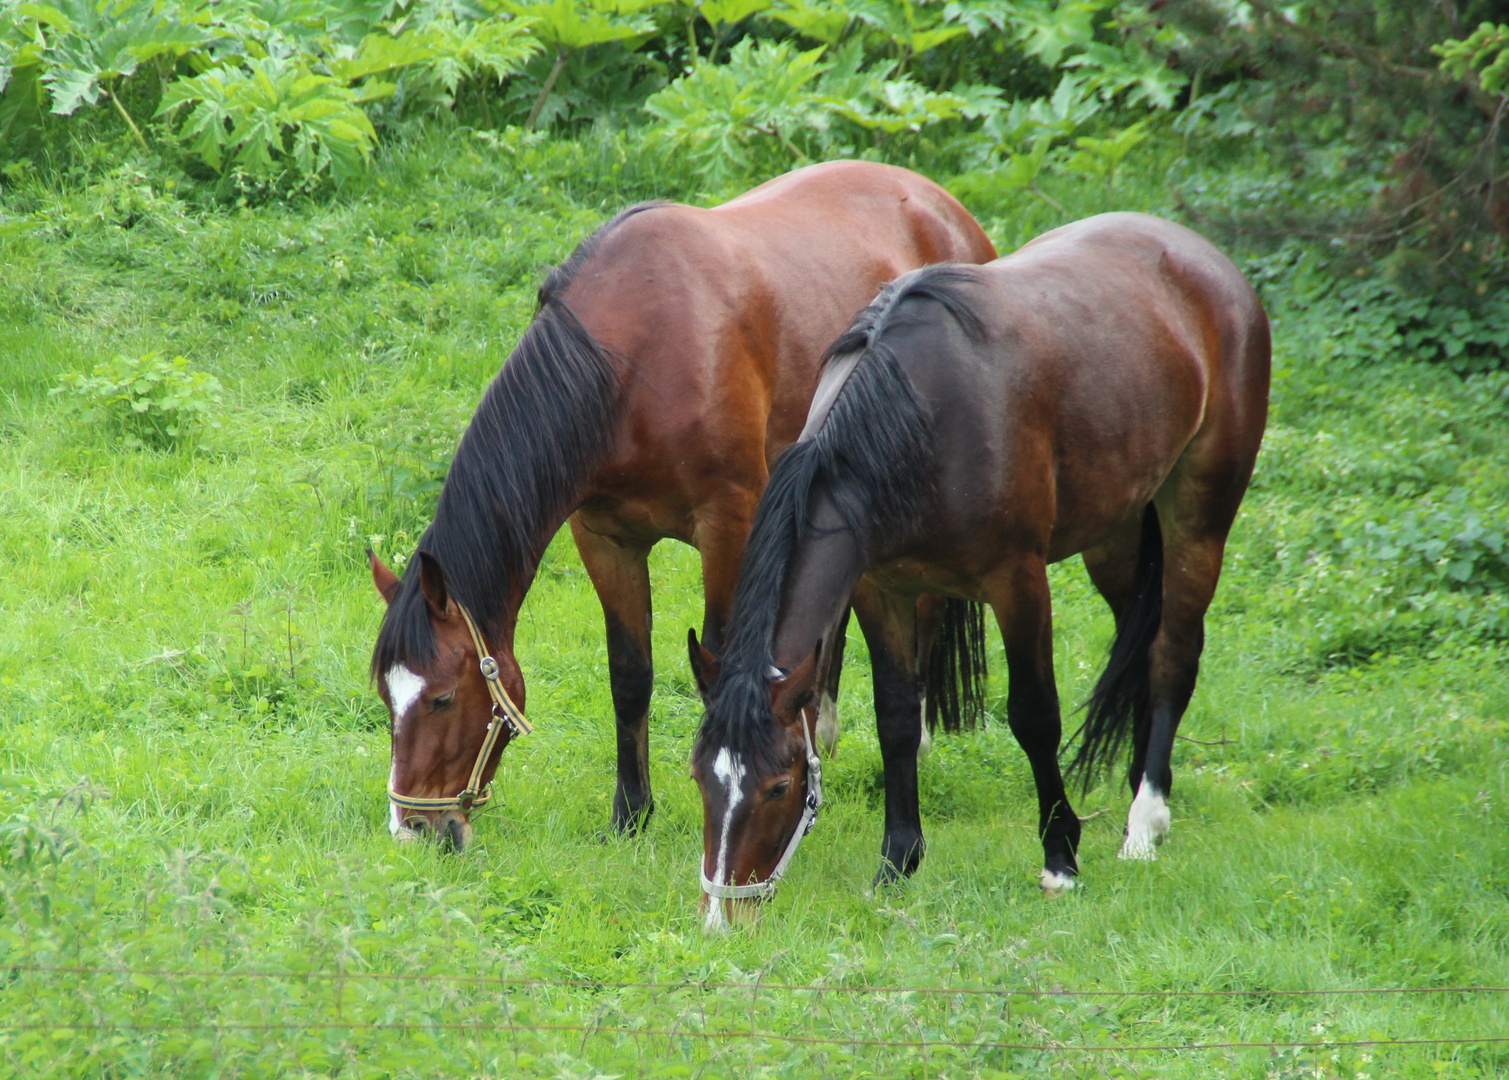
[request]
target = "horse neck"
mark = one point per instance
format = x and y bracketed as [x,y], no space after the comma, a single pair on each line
[543,427]
[824,569]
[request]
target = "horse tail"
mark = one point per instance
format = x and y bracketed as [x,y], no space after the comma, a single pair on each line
[955,675]
[1119,702]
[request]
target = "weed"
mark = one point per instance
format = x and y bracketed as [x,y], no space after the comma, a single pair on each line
[148,402]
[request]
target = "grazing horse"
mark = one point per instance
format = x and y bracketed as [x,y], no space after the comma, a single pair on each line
[670,358]
[1101,391]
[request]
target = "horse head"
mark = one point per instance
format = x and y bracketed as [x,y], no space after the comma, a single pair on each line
[429,670]
[759,776]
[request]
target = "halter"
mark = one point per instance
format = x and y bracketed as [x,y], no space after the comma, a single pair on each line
[475,796]
[764,890]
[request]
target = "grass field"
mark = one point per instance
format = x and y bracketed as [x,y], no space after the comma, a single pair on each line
[197,877]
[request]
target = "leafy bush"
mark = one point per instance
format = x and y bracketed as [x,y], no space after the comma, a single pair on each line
[272,89]
[148,401]
[273,112]
[1379,136]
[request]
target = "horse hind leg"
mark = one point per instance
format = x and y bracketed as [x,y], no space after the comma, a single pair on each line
[1192,566]
[1182,545]
[1127,570]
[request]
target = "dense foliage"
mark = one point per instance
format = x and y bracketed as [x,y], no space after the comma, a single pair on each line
[1378,127]
[1383,123]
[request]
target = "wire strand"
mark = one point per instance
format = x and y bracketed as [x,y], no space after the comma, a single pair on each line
[606,984]
[823,1040]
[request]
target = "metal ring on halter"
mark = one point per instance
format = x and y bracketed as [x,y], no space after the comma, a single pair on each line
[764,890]
[475,795]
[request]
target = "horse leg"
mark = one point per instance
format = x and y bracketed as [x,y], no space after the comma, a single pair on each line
[1024,611]
[621,576]
[1113,566]
[720,533]
[1193,551]
[889,623]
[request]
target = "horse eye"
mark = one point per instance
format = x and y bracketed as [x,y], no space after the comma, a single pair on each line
[779,790]
[442,701]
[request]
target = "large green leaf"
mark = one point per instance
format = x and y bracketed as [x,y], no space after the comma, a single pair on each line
[576,24]
[731,11]
[98,42]
[819,21]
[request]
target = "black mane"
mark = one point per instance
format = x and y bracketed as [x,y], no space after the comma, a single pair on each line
[544,421]
[873,456]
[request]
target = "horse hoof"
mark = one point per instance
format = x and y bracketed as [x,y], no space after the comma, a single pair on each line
[891,874]
[1139,850]
[1056,884]
[1147,824]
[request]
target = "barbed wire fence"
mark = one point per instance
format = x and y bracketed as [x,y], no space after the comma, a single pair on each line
[504,985]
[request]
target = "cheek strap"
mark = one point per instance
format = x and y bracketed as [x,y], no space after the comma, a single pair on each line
[764,890]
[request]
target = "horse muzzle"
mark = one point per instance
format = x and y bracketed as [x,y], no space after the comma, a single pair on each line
[449,828]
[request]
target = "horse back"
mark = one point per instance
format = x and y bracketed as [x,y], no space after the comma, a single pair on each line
[1113,351]
[719,317]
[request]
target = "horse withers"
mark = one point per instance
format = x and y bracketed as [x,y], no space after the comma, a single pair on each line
[1102,391]
[671,357]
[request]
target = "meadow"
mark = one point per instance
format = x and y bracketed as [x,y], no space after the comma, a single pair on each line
[196,878]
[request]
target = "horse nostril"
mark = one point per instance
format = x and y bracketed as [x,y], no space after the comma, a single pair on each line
[454,837]
[416,824]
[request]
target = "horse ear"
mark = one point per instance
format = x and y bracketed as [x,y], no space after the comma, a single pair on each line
[385,580]
[432,581]
[705,666]
[789,696]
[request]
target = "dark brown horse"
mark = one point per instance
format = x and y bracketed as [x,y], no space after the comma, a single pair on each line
[672,356]
[1102,392]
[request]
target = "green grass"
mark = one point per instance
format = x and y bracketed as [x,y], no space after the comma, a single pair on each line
[195,762]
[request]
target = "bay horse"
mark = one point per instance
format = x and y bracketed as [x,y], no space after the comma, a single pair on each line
[1102,391]
[670,358]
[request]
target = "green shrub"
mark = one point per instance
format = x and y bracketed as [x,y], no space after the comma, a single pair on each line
[147,401]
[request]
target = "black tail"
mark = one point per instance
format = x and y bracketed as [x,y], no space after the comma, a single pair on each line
[955,675]
[1120,700]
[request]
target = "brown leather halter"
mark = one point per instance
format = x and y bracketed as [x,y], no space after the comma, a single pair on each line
[505,712]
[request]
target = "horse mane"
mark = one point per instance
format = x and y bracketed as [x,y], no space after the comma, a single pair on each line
[872,455]
[544,421]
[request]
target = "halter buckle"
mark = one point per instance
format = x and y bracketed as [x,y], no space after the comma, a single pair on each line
[500,713]
[489,668]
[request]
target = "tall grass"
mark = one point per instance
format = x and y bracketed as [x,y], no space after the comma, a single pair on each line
[194,761]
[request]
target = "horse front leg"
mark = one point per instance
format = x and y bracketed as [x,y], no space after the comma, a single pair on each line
[1024,612]
[621,575]
[889,624]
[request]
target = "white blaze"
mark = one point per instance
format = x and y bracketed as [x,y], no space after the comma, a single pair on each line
[730,771]
[1147,823]
[404,688]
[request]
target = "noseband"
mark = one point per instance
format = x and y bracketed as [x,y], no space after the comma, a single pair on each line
[764,890]
[504,713]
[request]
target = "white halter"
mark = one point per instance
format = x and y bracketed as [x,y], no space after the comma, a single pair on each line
[763,890]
